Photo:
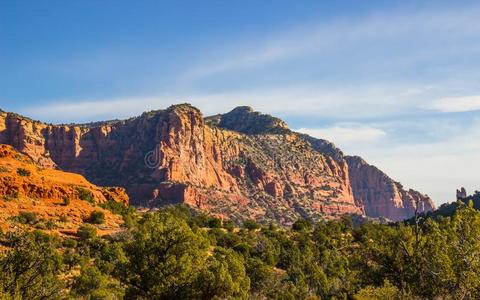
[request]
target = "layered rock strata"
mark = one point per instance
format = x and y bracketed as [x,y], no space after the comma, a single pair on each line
[239,165]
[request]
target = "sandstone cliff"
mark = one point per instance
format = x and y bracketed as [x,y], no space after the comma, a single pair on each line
[380,195]
[239,165]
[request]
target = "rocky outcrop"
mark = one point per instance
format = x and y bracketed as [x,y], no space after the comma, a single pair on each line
[242,164]
[461,193]
[244,119]
[51,194]
[380,195]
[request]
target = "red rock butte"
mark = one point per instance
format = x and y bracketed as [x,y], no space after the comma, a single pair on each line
[238,165]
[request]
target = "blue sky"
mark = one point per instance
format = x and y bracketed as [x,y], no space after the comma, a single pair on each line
[397,82]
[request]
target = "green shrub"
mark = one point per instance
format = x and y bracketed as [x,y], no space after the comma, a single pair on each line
[86,232]
[70,243]
[201,220]
[127,212]
[40,226]
[23,172]
[66,201]
[223,277]
[215,222]
[129,221]
[71,259]
[49,224]
[163,259]
[93,284]
[31,269]
[115,207]
[27,217]
[85,195]
[228,225]
[251,225]
[97,217]
[242,248]
[302,225]
[387,291]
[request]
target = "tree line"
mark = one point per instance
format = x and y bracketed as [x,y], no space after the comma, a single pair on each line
[176,254]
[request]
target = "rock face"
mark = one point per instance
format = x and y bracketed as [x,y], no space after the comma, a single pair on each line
[239,165]
[374,192]
[380,195]
[27,187]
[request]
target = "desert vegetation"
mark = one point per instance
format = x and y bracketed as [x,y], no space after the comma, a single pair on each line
[23,172]
[176,254]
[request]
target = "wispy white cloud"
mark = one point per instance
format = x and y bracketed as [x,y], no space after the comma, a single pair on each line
[457,104]
[346,134]
[332,102]
[94,109]
[393,30]
[435,167]
[400,37]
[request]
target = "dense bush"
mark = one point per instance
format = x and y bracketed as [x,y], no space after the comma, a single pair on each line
[163,258]
[27,217]
[215,223]
[251,225]
[93,284]
[85,195]
[127,212]
[30,269]
[23,172]
[87,232]
[66,201]
[301,225]
[168,255]
[96,217]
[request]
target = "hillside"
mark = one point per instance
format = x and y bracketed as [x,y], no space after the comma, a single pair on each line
[35,197]
[238,165]
[375,192]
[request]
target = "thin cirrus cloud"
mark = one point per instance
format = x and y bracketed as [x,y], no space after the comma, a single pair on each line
[402,38]
[86,110]
[457,104]
[344,135]
[411,31]
[436,166]
[328,102]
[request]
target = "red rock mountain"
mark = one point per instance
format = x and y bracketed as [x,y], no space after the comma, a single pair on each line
[238,165]
[380,195]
